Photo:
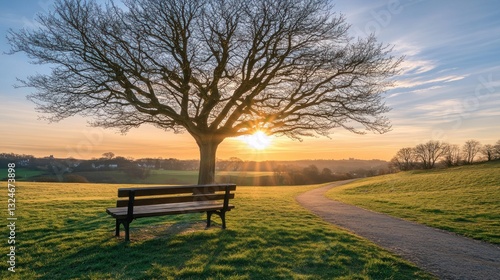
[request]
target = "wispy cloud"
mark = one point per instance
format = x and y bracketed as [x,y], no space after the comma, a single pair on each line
[420,91]
[405,46]
[412,66]
[23,21]
[441,108]
[422,81]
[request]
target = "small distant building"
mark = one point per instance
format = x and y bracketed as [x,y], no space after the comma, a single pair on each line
[112,166]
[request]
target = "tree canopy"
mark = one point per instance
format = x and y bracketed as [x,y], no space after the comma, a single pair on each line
[212,68]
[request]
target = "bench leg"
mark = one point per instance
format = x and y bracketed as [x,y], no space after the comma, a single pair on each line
[223,218]
[126,225]
[117,230]
[221,214]
[127,230]
[209,216]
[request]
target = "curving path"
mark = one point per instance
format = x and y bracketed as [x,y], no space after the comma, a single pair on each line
[446,255]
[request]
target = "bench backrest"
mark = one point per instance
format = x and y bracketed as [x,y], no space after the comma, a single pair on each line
[174,194]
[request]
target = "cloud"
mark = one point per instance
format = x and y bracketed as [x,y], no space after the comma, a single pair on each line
[438,108]
[416,82]
[417,66]
[404,47]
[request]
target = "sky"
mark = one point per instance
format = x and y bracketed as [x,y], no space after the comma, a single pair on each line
[449,90]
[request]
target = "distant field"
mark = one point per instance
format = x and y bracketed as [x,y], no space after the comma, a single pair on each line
[172,177]
[191,177]
[63,232]
[246,178]
[21,173]
[464,199]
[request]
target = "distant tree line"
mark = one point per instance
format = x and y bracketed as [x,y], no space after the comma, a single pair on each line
[436,153]
[294,175]
[108,161]
[108,166]
[76,170]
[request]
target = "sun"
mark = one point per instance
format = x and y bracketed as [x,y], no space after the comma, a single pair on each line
[259,140]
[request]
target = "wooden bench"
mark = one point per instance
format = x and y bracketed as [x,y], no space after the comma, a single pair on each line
[136,203]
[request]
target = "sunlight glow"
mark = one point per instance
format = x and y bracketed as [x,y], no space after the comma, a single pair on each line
[259,140]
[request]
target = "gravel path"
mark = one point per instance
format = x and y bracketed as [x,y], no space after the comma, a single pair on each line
[446,255]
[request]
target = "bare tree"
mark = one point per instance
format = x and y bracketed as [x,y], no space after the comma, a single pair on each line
[404,159]
[452,155]
[470,150]
[212,68]
[489,152]
[429,153]
[496,151]
[108,155]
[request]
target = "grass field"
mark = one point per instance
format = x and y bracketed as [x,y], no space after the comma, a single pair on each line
[464,199]
[155,177]
[63,232]
[182,177]
[246,178]
[21,173]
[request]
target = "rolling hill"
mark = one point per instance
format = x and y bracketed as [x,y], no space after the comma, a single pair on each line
[464,199]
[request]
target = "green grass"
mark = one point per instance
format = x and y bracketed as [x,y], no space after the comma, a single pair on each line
[172,177]
[21,173]
[246,178]
[464,200]
[177,177]
[63,232]
[155,177]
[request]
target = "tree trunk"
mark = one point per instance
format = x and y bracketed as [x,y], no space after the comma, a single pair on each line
[208,149]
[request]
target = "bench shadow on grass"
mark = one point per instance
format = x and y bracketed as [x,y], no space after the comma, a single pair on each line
[175,248]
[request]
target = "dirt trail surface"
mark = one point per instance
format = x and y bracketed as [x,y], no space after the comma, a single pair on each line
[446,255]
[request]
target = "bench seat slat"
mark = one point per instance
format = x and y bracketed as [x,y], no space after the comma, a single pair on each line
[173,199]
[122,210]
[167,209]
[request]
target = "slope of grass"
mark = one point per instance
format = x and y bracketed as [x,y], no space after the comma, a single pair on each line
[464,199]
[63,232]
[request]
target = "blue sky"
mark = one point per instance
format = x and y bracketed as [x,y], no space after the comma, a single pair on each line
[449,89]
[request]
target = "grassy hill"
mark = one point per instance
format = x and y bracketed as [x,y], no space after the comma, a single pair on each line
[464,199]
[63,232]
